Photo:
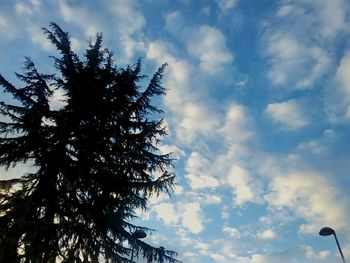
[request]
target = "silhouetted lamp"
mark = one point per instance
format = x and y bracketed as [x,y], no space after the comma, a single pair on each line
[137,234]
[327,231]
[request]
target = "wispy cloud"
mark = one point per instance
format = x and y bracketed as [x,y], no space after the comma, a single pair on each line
[338,99]
[297,41]
[226,5]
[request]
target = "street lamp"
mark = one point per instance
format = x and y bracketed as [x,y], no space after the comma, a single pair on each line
[327,231]
[137,234]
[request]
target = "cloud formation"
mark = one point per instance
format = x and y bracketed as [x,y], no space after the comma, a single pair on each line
[257,115]
[310,196]
[289,114]
[208,45]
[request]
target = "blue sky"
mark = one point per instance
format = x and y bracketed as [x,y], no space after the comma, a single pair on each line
[258,113]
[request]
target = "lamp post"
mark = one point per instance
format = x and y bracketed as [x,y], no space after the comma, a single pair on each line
[137,234]
[327,231]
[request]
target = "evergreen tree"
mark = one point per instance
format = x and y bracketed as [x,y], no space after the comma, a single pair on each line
[96,159]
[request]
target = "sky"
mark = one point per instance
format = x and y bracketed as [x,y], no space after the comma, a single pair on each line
[257,109]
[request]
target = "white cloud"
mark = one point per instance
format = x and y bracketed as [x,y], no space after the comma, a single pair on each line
[38,38]
[57,100]
[217,257]
[267,234]
[309,196]
[166,212]
[157,239]
[202,181]
[129,18]
[338,99]
[278,257]
[342,74]
[192,217]
[319,145]
[81,17]
[285,10]
[208,44]
[192,122]
[296,60]
[332,15]
[189,215]
[27,7]
[202,247]
[311,254]
[174,22]
[288,113]
[285,47]
[157,199]
[321,62]
[177,75]
[241,182]
[237,127]
[23,9]
[225,215]
[178,189]
[212,199]
[176,152]
[160,52]
[346,251]
[76,44]
[233,232]
[188,107]
[293,62]
[197,172]
[286,56]
[226,5]
[127,21]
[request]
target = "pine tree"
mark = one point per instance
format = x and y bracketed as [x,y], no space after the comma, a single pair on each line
[96,159]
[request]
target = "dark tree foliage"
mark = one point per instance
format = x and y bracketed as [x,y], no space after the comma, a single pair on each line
[96,159]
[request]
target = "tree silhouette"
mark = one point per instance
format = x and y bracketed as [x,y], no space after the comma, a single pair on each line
[96,159]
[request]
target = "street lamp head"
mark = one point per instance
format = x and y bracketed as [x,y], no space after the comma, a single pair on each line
[327,231]
[139,234]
